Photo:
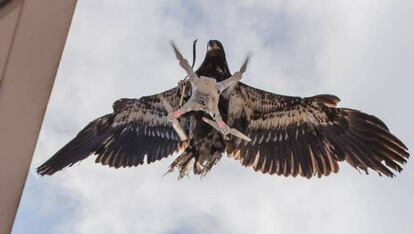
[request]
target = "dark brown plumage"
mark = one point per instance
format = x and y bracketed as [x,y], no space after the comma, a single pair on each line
[290,135]
[308,136]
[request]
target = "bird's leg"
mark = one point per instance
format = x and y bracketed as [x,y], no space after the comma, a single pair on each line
[184,163]
[213,161]
[184,63]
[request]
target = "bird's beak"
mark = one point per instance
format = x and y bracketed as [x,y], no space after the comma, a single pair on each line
[212,45]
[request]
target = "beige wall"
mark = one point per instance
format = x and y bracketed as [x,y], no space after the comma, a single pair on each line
[9,16]
[32,37]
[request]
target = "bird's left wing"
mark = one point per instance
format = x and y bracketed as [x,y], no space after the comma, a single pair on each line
[137,128]
[308,136]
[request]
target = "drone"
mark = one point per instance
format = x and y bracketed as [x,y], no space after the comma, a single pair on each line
[204,97]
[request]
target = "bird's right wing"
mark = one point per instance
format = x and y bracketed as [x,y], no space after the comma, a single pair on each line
[137,128]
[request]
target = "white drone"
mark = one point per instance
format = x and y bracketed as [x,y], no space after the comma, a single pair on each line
[204,97]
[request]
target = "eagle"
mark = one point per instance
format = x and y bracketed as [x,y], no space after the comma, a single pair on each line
[271,133]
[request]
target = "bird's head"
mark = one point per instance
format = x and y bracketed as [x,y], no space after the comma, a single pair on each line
[215,63]
[215,49]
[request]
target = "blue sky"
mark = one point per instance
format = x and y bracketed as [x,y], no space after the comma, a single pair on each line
[362,52]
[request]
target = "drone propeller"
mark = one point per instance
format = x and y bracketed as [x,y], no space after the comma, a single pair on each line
[178,55]
[244,66]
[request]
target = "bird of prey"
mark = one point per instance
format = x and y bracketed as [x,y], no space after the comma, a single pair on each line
[212,113]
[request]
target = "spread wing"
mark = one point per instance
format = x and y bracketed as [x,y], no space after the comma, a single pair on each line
[137,128]
[308,136]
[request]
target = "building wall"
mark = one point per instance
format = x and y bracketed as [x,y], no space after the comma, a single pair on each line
[33,35]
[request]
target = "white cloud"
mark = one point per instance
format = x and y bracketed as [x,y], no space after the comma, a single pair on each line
[362,52]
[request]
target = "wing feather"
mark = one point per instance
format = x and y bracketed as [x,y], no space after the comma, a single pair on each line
[138,129]
[309,136]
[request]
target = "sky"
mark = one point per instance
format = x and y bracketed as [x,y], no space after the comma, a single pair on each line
[361,51]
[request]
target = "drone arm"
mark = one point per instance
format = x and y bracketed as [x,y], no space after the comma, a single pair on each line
[224,129]
[226,83]
[188,69]
[172,117]
[183,62]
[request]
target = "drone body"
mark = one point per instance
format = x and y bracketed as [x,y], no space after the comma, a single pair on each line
[272,133]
